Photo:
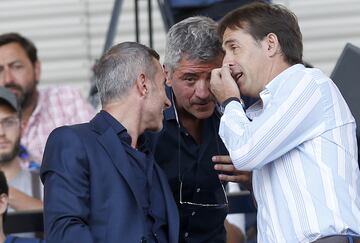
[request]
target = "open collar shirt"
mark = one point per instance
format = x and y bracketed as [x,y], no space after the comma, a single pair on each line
[299,141]
[182,159]
[57,106]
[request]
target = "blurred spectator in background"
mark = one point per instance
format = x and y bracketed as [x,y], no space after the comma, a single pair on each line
[42,110]
[4,201]
[25,187]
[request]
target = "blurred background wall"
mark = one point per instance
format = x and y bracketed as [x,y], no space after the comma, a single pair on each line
[70,34]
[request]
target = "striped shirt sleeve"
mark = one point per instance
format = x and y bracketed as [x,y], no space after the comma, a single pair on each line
[292,115]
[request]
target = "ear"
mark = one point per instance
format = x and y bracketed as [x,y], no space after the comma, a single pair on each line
[142,85]
[168,81]
[272,45]
[37,70]
[4,200]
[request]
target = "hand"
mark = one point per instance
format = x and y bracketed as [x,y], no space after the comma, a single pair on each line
[225,165]
[222,84]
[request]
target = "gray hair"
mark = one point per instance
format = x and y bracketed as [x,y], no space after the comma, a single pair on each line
[119,67]
[195,37]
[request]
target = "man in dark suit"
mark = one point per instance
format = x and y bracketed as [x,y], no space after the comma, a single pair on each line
[100,180]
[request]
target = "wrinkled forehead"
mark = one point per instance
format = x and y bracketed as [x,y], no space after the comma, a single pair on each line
[186,62]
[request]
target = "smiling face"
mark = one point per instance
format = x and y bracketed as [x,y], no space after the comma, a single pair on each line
[190,82]
[157,100]
[248,61]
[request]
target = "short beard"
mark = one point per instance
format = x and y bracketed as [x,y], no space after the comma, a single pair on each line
[7,158]
[25,97]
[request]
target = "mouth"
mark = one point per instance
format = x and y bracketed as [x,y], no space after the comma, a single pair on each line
[4,145]
[237,76]
[17,91]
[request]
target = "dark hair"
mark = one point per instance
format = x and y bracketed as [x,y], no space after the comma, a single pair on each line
[25,43]
[259,19]
[4,188]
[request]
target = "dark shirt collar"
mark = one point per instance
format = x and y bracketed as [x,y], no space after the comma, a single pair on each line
[114,124]
[120,130]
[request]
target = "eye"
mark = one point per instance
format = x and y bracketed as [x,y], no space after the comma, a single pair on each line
[10,122]
[234,47]
[17,66]
[190,79]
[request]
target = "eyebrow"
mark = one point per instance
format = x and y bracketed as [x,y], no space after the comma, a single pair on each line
[13,62]
[189,74]
[228,42]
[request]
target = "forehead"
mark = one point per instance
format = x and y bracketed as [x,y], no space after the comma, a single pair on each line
[196,66]
[11,52]
[232,36]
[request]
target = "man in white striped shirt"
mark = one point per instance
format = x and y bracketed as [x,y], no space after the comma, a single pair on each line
[299,139]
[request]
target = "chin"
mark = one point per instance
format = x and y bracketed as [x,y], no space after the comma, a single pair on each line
[203,114]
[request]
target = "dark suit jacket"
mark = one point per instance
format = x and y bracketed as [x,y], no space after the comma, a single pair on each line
[89,190]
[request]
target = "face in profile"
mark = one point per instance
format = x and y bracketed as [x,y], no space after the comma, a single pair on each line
[190,82]
[247,60]
[17,73]
[9,133]
[157,100]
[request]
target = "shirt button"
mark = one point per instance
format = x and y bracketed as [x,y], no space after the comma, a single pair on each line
[193,213]
[187,134]
[186,234]
[198,189]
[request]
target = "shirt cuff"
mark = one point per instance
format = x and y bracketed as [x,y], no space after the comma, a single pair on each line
[228,100]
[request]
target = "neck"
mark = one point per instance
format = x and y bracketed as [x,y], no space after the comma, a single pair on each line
[29,107]
[275,69]
[125,112]
[193,125]
[11,168]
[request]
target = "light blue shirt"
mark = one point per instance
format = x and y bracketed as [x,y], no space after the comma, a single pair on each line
[301,146]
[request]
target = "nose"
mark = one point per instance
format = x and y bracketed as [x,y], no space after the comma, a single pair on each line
[228,59]
[202,89]
[2,132]
[7,76]
[167,102]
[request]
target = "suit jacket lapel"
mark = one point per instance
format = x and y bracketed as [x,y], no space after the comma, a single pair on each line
[172,210]
[112,145]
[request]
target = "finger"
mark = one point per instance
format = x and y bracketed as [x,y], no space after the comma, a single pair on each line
[231,178]
[226,73]
[215,74]
[221,159]
[225,167]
